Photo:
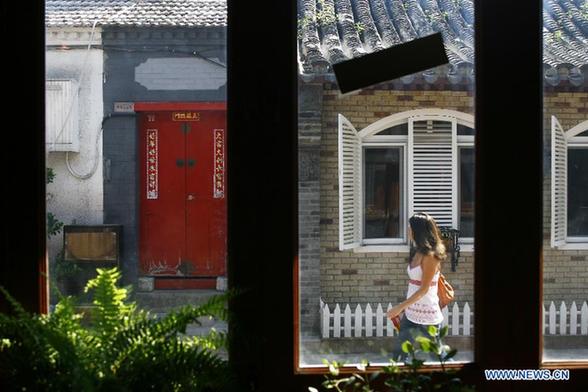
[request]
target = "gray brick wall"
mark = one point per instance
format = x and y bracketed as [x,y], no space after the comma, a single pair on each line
[309,136]
[125,49]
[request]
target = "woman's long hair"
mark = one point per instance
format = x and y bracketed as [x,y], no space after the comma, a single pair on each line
[426,236]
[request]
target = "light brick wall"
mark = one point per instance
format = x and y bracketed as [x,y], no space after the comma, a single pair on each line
[381,277]
[373,277]
[565,273]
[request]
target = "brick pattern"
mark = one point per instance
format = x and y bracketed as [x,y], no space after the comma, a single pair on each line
[378,277]
[120,131]
[309,135]
[381,277]
[565,272]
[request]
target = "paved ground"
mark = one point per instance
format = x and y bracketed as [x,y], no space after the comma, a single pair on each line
[311,359]
[573,354]
[315,359]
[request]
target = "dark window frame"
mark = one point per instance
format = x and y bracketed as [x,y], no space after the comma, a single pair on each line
[262,111]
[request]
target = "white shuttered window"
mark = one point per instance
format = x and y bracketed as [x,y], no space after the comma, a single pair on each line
[349,186]
[430,168]
[569,176]
[559,180]
[62,127]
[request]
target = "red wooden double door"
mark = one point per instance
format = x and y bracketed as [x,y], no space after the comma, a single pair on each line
[183,196]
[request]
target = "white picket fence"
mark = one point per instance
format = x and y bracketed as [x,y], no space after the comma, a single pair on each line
[365,322]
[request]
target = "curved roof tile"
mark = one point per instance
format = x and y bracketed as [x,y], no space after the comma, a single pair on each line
[387,30]
[328,28]
[340,29]
[390,22]
[188,13]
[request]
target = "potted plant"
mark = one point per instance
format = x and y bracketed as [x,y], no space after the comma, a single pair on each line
[114,347]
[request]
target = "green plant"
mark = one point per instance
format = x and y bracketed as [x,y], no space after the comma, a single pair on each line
[54,225]
[324,15]
[359,27]
[394,378]
[114,347]
[49,175]
[64,269]
[65,278]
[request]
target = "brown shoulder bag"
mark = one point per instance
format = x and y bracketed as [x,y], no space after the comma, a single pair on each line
[444,291]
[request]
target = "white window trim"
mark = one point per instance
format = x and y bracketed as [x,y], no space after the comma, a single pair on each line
[466,247]
[577,243]
[400,248]
[572,141]
[574,246]
[369,138]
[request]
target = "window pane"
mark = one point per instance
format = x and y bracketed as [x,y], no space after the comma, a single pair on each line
[401,129]
[136,137]
[465,130]
[466,192]
[565,201]
[367,161]
[382,193]
[578,192]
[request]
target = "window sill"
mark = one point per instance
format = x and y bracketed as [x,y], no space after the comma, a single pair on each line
[466,247]
[573,246]
[401,248]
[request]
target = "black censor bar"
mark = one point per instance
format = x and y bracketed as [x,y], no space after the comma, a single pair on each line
[391,63]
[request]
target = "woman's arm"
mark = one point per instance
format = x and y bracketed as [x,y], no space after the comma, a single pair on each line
[429,265]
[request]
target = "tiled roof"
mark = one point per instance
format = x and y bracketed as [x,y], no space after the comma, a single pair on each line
[335,30]
[188,13]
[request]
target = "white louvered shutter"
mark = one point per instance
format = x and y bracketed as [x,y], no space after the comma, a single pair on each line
[432,169]
[349,185]
[61,115]
[559,184]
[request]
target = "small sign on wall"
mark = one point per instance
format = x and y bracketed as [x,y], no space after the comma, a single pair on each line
[219,164]
[124,107]
[152,164]
[186,116]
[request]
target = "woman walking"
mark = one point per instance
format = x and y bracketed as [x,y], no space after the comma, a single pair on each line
[421,307]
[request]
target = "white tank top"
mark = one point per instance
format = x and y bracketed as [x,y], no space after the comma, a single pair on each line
[426,310]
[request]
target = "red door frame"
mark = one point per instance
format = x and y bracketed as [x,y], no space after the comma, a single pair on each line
[170,106]
[183,283]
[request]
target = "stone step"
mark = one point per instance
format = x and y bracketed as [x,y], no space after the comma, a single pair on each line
[161,301]
[206,323]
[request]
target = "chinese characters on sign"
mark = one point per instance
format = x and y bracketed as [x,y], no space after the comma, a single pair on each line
[152,156]
[219,164]
[186,116]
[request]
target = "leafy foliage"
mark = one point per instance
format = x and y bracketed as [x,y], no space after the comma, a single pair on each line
[64,272]
[114,347]
[54,225]
[49,175]
[396,379]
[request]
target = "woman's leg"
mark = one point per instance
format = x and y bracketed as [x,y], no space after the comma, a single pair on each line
[405,326]
[424,330]
[408,331]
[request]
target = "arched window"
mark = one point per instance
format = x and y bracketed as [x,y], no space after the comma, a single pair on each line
[569,182]
[421,160]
